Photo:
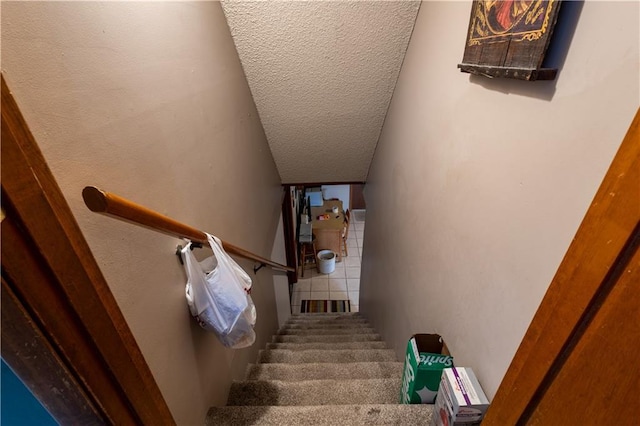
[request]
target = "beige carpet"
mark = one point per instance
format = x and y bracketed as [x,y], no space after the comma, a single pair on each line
[321,369]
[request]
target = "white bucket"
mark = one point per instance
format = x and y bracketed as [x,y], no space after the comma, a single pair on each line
[326,261]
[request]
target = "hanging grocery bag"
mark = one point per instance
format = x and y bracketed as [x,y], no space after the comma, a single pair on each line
[218,295]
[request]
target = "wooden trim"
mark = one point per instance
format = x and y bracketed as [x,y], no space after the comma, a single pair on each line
[75,306]
[289,236]
[582,278]
[113,205]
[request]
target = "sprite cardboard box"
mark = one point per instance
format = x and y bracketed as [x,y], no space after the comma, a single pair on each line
[461,400]
[426,357]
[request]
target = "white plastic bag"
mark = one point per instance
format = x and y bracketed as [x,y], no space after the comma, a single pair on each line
[218,296]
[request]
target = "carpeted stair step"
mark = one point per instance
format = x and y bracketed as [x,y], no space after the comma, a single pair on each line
[322,371]
[315,392]
[328,346]
[331,326]
[325,320]
[319,331]
[326,356]
[352,415]
[326,338]
[339,315]
[335,319]
[335,316]
[331,317]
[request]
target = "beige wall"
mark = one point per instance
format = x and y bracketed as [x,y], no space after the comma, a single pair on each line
[478,186]
[280,279]
[149,101]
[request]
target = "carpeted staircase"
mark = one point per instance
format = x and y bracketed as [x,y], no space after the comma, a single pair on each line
[321,369]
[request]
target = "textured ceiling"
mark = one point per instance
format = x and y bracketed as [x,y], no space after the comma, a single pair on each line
[322,75]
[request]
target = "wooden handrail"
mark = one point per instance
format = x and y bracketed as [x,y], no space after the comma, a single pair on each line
[113,205]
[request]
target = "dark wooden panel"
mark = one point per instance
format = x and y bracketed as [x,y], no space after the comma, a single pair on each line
[601,238]
[356,197]
[23,342]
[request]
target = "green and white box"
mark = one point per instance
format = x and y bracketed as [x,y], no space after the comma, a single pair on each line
[426,357]
[461,401]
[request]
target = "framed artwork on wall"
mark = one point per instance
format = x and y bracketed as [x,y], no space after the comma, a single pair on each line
[509,38]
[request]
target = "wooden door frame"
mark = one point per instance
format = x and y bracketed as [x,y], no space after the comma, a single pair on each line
[53,279]
[599,251]
[289,236]
[22,343]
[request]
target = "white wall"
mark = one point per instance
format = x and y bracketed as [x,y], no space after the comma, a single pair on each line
[478,186]
[149,101]
[341,192]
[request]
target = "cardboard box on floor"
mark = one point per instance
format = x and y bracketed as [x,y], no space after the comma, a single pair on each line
[461,400]
[421,373]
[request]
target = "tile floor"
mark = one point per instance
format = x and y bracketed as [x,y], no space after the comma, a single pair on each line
[343,283]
